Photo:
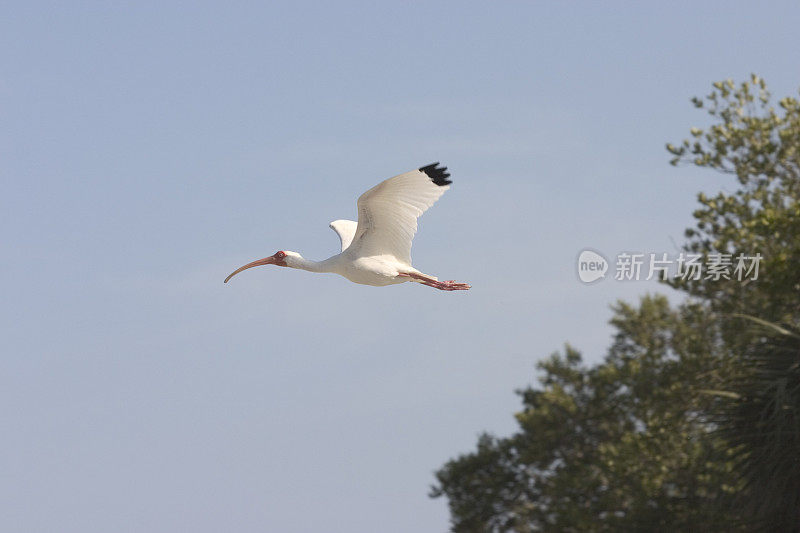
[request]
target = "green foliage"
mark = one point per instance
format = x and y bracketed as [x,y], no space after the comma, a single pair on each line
[757,413]
[618,446]
[761,146]
[692,421]
[759,418]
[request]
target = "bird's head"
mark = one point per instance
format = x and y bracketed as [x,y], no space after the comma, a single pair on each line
[280,258]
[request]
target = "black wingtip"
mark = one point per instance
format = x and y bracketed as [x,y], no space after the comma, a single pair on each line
[437,175]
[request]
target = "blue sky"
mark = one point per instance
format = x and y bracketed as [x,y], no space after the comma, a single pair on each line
[148,149]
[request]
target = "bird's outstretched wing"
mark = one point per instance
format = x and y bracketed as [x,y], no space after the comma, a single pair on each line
[345,229]
[388,212]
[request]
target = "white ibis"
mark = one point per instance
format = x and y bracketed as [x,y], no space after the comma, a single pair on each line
[376,250]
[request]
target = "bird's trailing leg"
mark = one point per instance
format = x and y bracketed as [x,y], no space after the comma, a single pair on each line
[449,285]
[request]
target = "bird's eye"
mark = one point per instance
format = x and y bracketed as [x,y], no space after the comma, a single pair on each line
[281,255]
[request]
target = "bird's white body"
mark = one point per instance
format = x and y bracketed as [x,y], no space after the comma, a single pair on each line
[376,250]
[377,271]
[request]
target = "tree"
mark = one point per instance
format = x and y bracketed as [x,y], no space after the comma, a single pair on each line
[618,446]
[761,147]
[759,419]
[758,413]
[692,420]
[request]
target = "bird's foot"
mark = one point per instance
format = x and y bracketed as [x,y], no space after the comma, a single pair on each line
[449,285]
[453,285]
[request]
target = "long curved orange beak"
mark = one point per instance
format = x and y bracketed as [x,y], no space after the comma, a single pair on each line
[266,261]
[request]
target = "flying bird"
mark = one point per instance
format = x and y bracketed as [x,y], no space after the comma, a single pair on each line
[376,250]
